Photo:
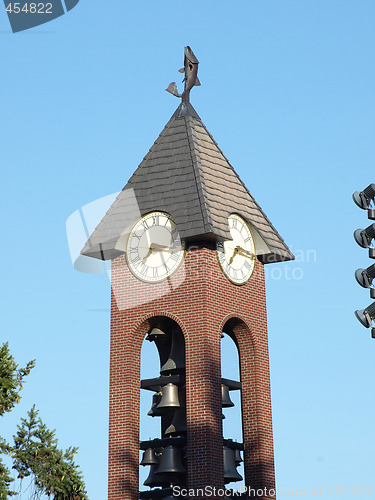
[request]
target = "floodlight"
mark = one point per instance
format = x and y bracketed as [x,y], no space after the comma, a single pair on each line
[363,198]
[365,316]
[364,236]
[365,276]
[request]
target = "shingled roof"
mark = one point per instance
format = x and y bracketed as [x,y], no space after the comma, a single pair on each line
[186,175]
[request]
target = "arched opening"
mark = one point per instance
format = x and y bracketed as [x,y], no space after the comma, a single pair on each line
[234,476]
[163,427]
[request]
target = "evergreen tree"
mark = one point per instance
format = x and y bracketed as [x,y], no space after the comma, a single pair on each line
[35,453]
[5,479]
[11,379]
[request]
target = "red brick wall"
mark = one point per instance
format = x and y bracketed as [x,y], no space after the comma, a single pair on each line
[201,300]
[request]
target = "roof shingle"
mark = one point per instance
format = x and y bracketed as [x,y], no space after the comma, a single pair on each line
[186,175]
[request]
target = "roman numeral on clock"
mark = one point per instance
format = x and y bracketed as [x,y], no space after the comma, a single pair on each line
[143,269]
[136,261]
[247,265]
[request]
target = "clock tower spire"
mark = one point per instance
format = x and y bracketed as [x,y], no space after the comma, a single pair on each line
[188,244]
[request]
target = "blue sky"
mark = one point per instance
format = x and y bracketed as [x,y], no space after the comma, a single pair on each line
[288,93]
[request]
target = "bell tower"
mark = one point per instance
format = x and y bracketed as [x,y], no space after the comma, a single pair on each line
[188,244]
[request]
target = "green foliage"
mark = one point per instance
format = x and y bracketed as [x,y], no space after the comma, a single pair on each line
[5,479]
[36,454]
[11,378]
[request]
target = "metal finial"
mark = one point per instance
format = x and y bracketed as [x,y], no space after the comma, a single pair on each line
[191,70]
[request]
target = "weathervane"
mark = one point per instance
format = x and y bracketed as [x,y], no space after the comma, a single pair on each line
[191,70]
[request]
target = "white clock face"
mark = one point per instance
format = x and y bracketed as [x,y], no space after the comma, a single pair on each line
[237,256]
[154,250]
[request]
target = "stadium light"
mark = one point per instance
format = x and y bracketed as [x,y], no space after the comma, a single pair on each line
[364,277]
[364,236]
[364,198]
[365,316]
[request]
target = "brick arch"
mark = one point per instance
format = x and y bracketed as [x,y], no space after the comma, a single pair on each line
[235,412]
[168,323]
[145,320]
[256,404]
[125,398]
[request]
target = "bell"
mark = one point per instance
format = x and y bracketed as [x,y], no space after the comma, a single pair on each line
[178,424]
[176,360]
[230,471]
[170,461]
[155,333]
[154,412]
[225,398]
[154,479]
[169,396]
[149,457]
[237,457]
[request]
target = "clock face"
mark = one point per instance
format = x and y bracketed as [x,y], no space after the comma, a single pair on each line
[154,250]
[237,256]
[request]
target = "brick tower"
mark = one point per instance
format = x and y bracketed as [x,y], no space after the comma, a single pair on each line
[188,244]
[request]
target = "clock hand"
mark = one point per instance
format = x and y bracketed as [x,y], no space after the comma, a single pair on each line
[245,253]
[156,246]
[234,254]
[147,255]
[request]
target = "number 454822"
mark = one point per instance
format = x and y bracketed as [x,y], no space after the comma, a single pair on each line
[29,8]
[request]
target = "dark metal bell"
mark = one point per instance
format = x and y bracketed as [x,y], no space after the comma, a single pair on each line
[154,479]
[155,333]
[170,461]
[154,412]
[176,361]
[230,471]
[225,398]
[149,457]
[169,397]
[178,424]
[237,457]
